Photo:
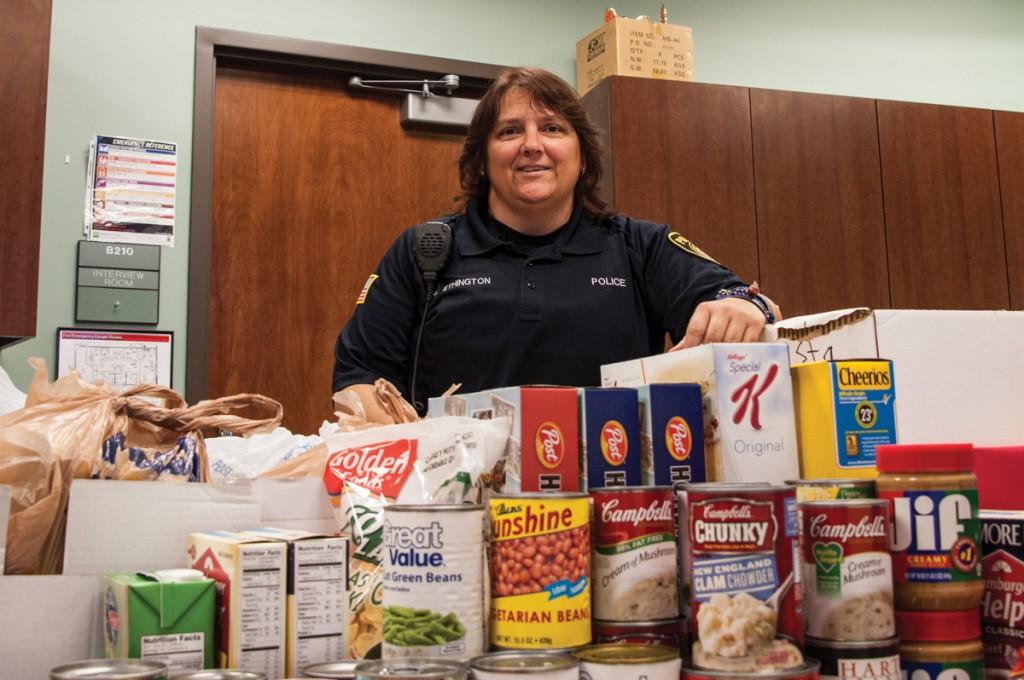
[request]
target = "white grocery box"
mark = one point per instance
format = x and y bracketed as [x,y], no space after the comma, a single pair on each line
[747,403]
[960,375]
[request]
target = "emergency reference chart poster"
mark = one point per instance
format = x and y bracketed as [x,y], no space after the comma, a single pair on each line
[131,190]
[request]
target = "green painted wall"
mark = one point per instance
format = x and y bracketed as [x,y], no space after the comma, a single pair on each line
[125,67]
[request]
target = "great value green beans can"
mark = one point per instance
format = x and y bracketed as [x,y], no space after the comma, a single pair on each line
[433,581]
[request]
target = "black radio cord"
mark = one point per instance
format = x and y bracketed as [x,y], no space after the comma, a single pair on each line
[431,283]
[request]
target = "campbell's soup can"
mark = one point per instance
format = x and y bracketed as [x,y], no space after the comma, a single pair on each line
[433,581]
[635,556]
[847,570]
[625,661]
[670,632]
[807,670]
[540,571]
[738,544]
[519,665]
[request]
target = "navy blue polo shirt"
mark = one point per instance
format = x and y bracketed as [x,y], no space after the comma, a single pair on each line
[508,313]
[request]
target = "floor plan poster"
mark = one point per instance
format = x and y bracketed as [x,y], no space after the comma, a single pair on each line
[131,190]
[121,359]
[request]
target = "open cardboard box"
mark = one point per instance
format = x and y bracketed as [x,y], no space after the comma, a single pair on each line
[958,374]
[119,526]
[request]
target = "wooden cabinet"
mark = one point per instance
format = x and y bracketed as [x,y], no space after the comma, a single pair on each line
[829,201]
[24,58]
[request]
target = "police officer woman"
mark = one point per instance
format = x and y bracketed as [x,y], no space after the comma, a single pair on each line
[543,284]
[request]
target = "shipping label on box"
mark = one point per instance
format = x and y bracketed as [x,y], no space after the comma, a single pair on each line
[749,428]
[672,434]
[155,620]
[543,445]
[634,47]
[251,584]
[317,605]
[609,437]
[844,411]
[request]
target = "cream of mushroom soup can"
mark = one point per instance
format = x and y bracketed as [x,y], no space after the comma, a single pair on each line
[635,558]
[433,581]
[625,661]
[523,665]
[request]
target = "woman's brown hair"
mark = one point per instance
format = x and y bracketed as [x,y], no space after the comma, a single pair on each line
[545,90]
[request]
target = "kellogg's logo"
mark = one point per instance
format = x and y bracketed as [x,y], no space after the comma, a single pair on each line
[382,468]
[549,445]
[678,438]
[614,443]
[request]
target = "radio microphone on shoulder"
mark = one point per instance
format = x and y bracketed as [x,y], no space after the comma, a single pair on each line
[433,246]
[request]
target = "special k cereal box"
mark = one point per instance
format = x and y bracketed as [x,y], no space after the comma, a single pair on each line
[251,577]
[543,445]
[747,404]
[609,437]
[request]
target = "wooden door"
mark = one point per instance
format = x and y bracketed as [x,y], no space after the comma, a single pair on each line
[820,225]
[311,184]
[942,207]
[680,154]
[1010,146]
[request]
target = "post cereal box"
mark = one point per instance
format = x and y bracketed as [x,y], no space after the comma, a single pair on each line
[251,579]
[609,437]
[844,411]
[317,601]
[747,405]
[672,434]
[543,445]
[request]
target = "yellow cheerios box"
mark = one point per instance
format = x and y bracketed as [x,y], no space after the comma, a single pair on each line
[844,410]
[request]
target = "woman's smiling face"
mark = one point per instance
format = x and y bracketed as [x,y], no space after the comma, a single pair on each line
[533,161]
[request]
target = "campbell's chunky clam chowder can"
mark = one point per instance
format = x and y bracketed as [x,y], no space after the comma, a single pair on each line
[433,581]
[540,571]
[635,556]
[847,570]
[739,547]
[625,661]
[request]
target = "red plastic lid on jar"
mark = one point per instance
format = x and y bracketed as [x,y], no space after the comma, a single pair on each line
[1000,472]
[952,626]
[925,458]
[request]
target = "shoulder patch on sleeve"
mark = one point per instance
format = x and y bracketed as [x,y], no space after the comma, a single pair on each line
[366,289]
[689,246]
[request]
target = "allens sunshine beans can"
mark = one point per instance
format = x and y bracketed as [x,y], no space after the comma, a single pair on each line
[540,571]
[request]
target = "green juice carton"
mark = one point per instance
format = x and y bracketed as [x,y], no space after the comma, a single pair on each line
[168,616]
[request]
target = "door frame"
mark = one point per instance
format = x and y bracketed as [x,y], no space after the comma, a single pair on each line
[268,51]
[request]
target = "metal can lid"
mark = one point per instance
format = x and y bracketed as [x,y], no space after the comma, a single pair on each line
[223,674]
[110,669]
[738,487]
[631,489]
[808,669]
[626,653]
[533,495]
[412,668]
[524,663]
[845,503]
[439,507]
[639,624]
[845,645]
[335,670]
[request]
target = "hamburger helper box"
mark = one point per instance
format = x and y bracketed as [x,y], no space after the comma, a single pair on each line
[747,405]
[251,576]
[317,601]
[844,410]
[543,445]
[610,446]
[672,434]
[1002,608]
[167,616]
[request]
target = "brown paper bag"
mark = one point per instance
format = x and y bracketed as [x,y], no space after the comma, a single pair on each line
[63,433]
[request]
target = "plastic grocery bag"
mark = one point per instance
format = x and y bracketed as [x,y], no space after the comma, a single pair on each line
[11,398]
[75,429]
[438,460]
[360,407]
[249,457]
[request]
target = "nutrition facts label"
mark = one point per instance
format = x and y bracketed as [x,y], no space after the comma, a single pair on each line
[183,651]
[261,615]
[321,604]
